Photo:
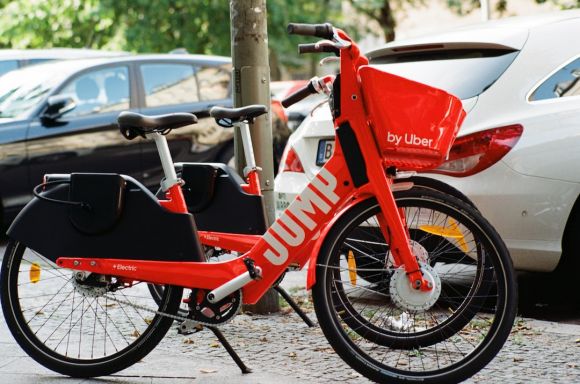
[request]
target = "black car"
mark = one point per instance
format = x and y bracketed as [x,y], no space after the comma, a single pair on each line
[11,59]
[60,117]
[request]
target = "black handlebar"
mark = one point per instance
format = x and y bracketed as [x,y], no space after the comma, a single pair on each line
[314,48]
[300,94]
[324,31]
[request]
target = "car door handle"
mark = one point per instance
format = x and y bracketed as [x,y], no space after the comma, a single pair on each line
[53,157]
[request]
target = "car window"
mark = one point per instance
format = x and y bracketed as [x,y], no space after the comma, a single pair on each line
[463,73]
[7,66]
[563,83]
[214,83]
[22,90]
[101,91]
[168,84]
[37,61]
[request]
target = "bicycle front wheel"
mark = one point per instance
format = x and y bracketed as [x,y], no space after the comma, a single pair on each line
[77,324]
[392,333]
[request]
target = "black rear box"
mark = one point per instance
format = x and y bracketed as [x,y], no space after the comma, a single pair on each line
[122,220]
[215,198]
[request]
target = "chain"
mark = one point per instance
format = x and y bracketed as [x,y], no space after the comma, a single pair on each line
[146,309]
[164,314]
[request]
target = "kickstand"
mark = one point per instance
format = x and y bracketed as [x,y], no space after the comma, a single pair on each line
[230,350]
[294,305]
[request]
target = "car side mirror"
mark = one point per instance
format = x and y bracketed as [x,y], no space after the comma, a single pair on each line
[57,106]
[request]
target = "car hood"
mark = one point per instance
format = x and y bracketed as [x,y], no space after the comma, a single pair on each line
[4,120]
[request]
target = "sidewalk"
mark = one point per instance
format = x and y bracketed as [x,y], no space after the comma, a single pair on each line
[282,349]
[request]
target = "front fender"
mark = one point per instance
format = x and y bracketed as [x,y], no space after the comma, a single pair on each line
[311,274]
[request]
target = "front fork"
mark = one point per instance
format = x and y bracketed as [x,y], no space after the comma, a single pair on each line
[393,226]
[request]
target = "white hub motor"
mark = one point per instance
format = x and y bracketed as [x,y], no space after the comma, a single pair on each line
[414,300]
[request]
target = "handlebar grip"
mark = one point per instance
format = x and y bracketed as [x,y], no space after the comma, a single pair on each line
[313,48]
[324,31]
[300,94]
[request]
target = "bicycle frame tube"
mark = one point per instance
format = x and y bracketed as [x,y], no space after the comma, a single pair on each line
[290,239]
[231,241]
[251,171]
[295,237]
[353,113]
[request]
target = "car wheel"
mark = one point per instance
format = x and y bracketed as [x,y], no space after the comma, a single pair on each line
[3,225]
[571,242]
[565,274]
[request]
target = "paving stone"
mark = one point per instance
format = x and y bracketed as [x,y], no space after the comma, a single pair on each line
[282,349]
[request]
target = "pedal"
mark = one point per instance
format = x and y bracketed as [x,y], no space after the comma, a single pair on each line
[189,327]
[255,273]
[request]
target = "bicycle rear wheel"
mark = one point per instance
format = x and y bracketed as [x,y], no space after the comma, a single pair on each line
[391,333]
[77,324]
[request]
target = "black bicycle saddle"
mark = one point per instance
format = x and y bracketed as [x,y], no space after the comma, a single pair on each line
[249,113]
[132,124]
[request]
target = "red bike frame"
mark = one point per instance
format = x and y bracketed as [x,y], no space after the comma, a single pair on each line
[297,236]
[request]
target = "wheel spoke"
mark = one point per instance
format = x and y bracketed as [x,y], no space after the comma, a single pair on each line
[84,324]
[405,331]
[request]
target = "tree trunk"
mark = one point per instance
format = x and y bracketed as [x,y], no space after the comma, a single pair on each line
[249,36]
[275,71]
[387,21]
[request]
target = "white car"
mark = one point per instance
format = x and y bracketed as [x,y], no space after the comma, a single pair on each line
[517,156]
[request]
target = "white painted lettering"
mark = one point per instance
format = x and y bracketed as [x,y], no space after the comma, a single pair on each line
[303,204]
[281,256]
[303,208]
[325,182]
[393,138]
[296,235]
[412,139]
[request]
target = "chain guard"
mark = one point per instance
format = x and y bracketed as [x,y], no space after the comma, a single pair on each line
[212,314]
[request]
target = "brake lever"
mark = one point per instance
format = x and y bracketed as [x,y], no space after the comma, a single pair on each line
[325,43]
[329,59]
[339,42]
[324,84]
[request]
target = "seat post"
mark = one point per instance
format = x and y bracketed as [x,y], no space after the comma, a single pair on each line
[247,144]
[166,162]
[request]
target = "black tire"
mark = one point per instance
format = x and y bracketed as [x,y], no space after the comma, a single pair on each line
[469,321]
[439,186]
[418,182]
[157,292]
[117,334]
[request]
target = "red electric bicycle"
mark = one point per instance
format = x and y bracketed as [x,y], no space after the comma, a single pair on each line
[75,273]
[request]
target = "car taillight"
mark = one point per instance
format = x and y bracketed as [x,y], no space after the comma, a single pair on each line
[292,162]
[478,151]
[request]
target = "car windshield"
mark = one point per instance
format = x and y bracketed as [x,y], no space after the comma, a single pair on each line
[21,91]
[463,73]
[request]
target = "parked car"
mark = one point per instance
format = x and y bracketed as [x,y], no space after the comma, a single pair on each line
[11,59]
[60,117]
[518,150]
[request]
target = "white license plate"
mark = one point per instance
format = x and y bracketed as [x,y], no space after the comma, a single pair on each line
[325,150]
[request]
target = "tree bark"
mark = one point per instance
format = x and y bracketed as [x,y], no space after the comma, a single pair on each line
[251,75]
[387,21]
